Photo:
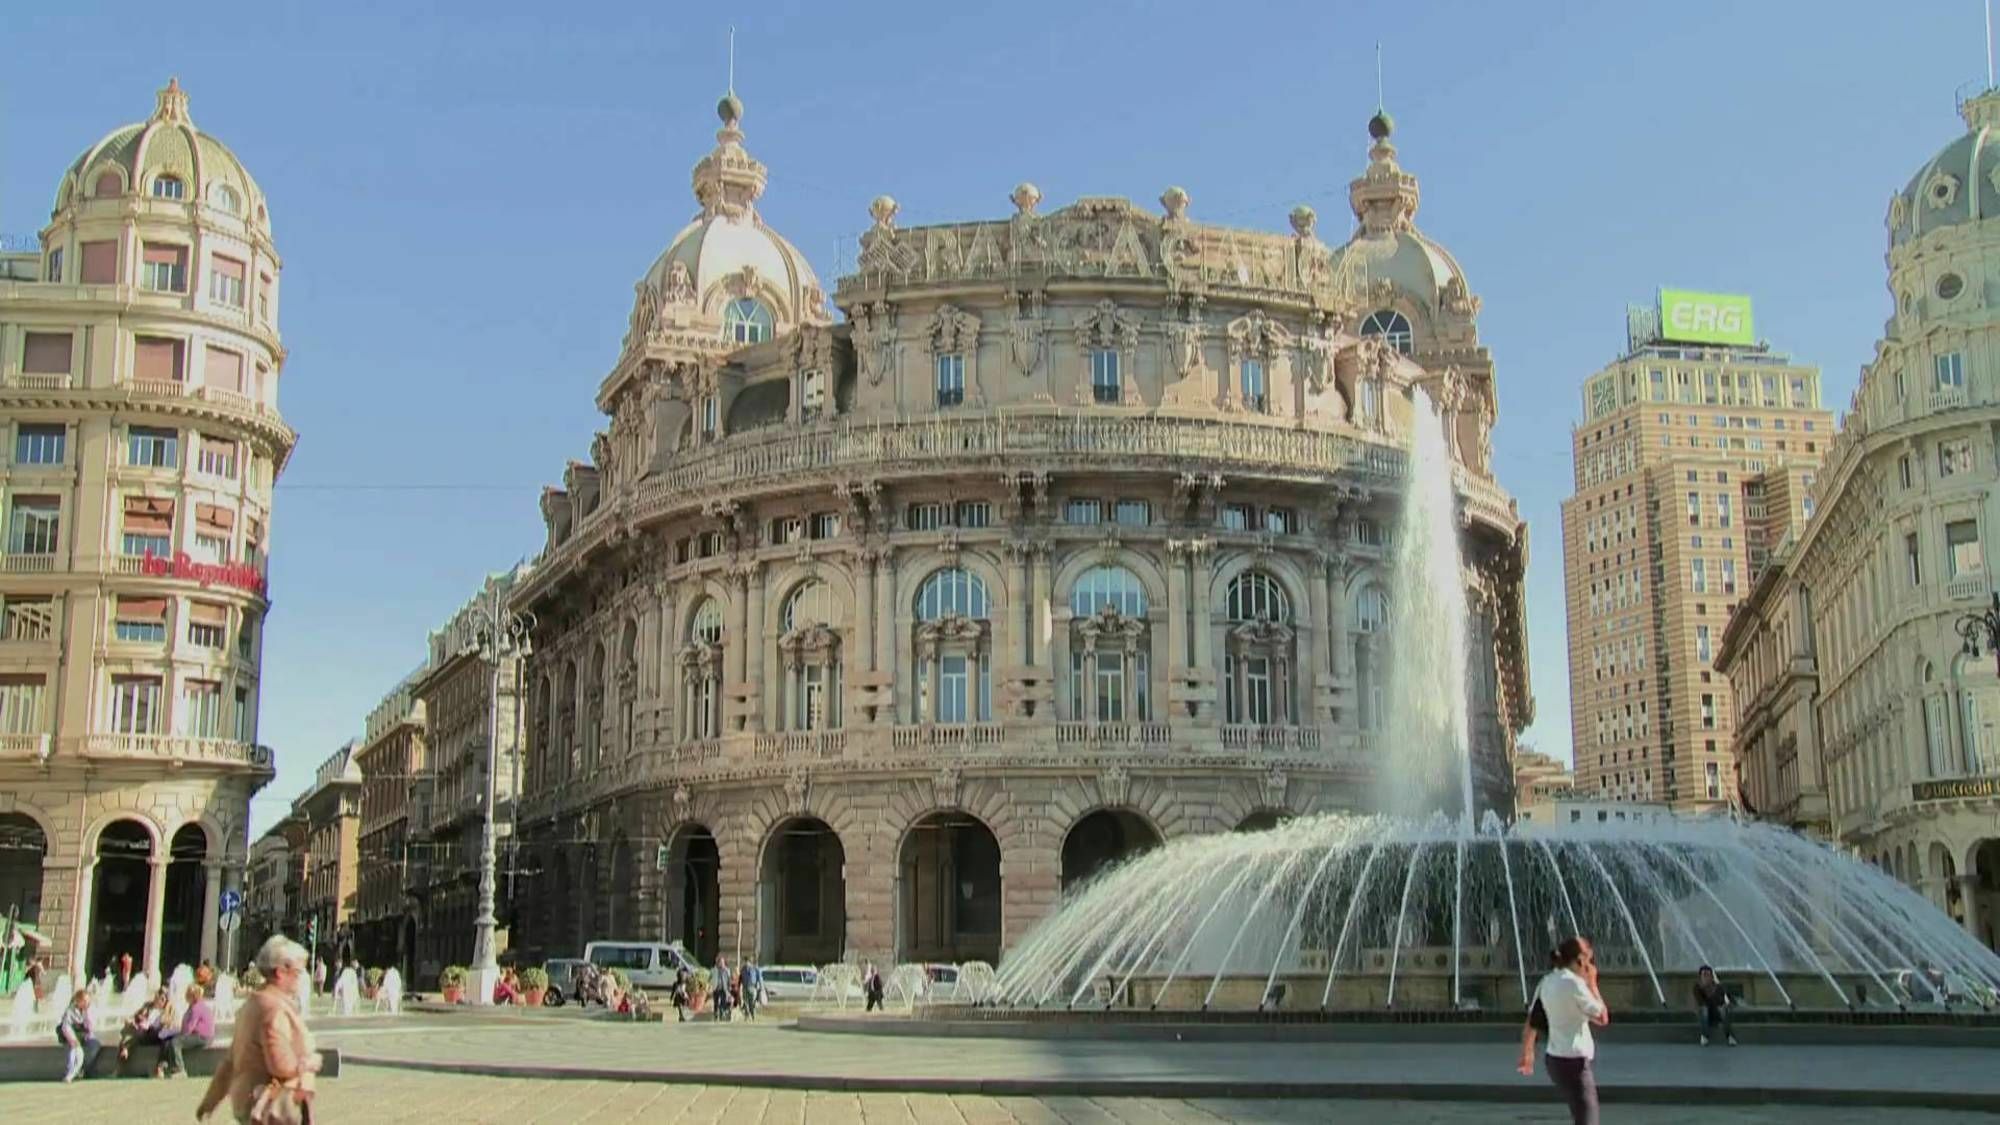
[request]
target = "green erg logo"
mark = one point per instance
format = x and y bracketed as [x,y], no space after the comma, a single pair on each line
[1705,318]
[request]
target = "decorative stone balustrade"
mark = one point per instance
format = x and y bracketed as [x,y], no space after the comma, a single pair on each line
[19,747]
[171,748]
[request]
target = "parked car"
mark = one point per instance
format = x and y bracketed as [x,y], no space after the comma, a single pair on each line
[562,980]
[792,983]
[649,964]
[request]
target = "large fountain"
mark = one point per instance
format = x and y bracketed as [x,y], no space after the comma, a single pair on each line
[1432,906]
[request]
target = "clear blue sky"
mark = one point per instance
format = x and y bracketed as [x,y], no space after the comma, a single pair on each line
[465,195]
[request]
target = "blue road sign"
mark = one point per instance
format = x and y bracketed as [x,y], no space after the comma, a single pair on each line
[232,901]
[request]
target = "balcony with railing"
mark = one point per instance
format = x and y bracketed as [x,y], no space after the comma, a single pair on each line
[29,563]
[38,381]
[801,744]
[24,748]
[1946,398]
[1113,734]
[1967,588]
[1270,738]
[170,749]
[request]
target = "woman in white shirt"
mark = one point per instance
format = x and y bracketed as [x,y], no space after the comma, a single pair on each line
[1569,999]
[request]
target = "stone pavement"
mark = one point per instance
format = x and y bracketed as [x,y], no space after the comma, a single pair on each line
[770,1055]
[380,1095]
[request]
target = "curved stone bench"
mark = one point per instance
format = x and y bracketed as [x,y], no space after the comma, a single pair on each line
[37,1062]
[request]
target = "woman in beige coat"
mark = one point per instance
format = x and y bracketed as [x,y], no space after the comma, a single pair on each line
[268,1075]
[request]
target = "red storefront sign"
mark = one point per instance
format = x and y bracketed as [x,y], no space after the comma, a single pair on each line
[241,576]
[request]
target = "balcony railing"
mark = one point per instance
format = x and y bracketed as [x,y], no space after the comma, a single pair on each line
[18,747]
[38,382]
[1947,398]
[947,734]
[29,564]
[1270,738]
[1137,734]
[160,388]
[1966,588]
[801,744]
[173,748]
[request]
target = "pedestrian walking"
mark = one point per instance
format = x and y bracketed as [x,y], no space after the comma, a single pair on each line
[1567,1003]
[871,986]
[680,993]
[724,986]
[749,982]
[268,1073]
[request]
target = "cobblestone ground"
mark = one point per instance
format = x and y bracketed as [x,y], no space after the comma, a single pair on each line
[366,1094]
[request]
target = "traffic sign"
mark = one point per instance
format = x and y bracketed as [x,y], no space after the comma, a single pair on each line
[232,901]
[228,921]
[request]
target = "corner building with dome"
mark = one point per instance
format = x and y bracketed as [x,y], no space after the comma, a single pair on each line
[139,366]
[865,633]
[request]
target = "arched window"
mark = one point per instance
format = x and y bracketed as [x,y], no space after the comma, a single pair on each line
[222,197]
[1371,610]
[169,187]
[954,665]
[1109,648]
[701,674]
[1371,620]
[1256,596]
[746,321]
[810,647]
[1257,671]
[1393,327]
[107,185]
[593,714]
[566,724]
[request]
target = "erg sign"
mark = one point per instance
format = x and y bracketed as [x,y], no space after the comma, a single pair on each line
[1705,318]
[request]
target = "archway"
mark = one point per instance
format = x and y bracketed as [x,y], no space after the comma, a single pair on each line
[187,887]
[948,878]
[619,896]
[802,897]
[1263,820]
[23,848]
[120,886]
[694,873]
[1103,839]
[1950,897]
[1984,909]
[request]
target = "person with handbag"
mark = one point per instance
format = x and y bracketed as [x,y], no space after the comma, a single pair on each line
[1567,1004]
[267,1077]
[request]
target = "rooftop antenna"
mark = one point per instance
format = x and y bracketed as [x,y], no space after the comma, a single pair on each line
[1989,44]
[732,58]
[1378,62]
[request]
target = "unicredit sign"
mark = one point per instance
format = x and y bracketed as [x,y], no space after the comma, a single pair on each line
[241,576]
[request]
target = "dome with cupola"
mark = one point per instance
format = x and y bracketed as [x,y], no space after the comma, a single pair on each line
[726,265]
[165,157]
[1387,246]
[1961,184]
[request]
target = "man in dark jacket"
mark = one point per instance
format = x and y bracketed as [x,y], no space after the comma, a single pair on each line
[1711,1002]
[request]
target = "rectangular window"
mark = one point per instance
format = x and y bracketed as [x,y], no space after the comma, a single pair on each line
[787,529]
[40,444]
[100,263]
[151,448]
[141,620]
[1110,687]
[1369,533]
[950,380]
[253,543]
[1950,370]
[1728,576]
[53,272]
[202,708]
[1281,521]
[973,513]
[1257,690]
[246,638]
[225,282]
[34,525]
[135,704]
[224,370]
[158,359]
[927,517]
[953,684]
[217,457]
[165,268]
[1722,509]
[211,548]
[711,416]
[825,525]
[1712,773]
[1255,397]
[1104,387]
[1134,513]
[21,703]
[1082,511]
[1700,582]
[208,625]
[45,353]
[1800,398]
[1962,549]
[25,618]
[1906,466]
[1910,556]
[1238,517]
[246,717]
[1702,647]
[1708,712]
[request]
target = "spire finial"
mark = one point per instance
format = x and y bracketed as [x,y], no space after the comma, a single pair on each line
[171,103]
[1380,105]
[732,58]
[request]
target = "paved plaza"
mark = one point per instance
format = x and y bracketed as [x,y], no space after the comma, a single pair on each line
[369,1094]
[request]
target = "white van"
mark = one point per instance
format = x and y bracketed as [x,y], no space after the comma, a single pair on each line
[650,964]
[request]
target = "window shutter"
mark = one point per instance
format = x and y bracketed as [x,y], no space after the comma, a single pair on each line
[160,254]
[159,360]
[229,267]
[225,370]
[208,613]
[149,515]
[100,263]
[46,353]
[142,609]
[214,518]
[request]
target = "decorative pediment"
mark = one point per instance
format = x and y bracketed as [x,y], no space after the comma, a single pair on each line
[1251,634]
[1257,335]
[816,643]
[952,329]
[946,784]
[1107,326]
[701,656]
[1109,629]
[948,631]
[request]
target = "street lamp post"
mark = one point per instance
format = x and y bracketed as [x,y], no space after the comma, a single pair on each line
[500,635]
[1974,626]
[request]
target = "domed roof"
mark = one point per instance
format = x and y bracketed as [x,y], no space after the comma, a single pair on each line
[167,144]
[1386,243]
[728,252]
[1960,185]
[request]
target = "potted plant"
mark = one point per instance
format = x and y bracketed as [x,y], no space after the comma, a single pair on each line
[699,983]
[373,985]
[452,983]
[534,986]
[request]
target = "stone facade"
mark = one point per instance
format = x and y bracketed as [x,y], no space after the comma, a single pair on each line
[1869,716]
[139,363]
[866,640]
[330,814]
[392,759]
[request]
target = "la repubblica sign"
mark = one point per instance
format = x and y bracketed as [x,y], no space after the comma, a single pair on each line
[241,576]
[1956,788]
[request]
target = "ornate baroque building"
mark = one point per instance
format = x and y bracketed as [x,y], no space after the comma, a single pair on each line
[139,361]
[867,639]
[1865,715]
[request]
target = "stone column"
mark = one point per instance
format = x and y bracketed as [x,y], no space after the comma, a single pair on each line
[864,618]
[156,903]
[81,919]
[1040,615]
[885,613]
[1199,576]
[1332,578]
[1023,598]
[1314,659]
[211,893]
[753,652]
[1177,606]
